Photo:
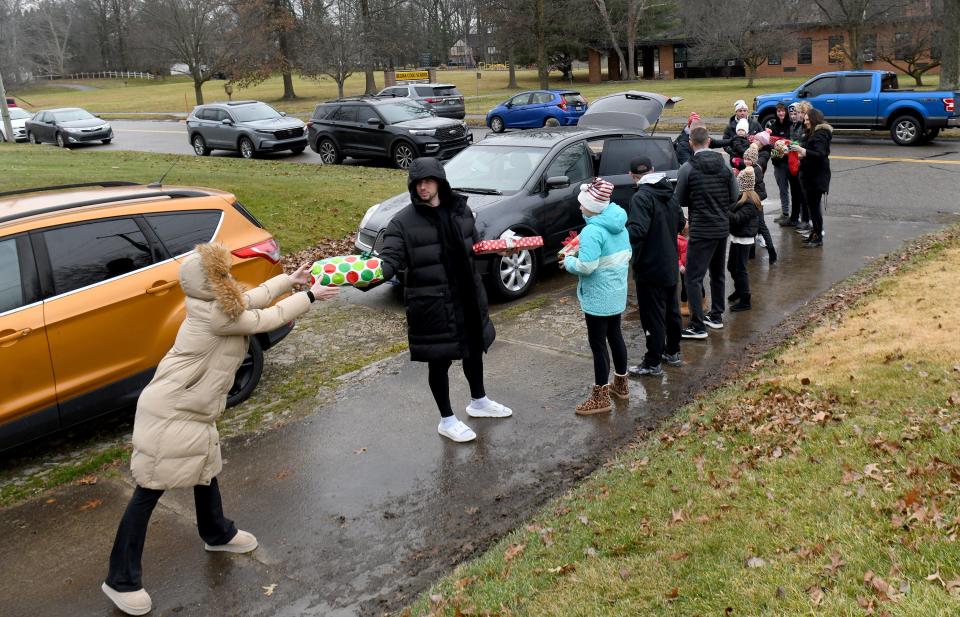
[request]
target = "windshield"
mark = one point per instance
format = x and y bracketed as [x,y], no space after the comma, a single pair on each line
[254,112]
[18,114]
[72,115]
[498,168]
[403,111]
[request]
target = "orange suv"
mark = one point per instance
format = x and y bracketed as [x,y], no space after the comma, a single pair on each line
[90,300]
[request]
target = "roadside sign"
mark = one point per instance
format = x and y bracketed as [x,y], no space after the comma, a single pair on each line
[412,75]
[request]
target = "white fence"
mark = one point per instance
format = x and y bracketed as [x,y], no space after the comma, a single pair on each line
[104,75]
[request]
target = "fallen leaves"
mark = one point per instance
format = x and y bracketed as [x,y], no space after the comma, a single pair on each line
[816,595]
[882,588]
[566,568]
[283,474]
[756,562]
[836,562]
[269,589]
[88,480]
[91,504]
[513,551]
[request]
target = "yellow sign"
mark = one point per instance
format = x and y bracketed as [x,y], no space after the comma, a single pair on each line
[412,75]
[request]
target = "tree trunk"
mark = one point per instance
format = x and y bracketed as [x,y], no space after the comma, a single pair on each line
[512,70]
[367,56]
[602,7]
[340,81]
[198,90]
[917,78]
[541,27]
[950,67]
[632,22]
[751,75]
[371,79]
[288,93]
[856,54]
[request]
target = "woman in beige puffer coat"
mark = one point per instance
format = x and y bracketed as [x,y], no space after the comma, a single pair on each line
[175,439]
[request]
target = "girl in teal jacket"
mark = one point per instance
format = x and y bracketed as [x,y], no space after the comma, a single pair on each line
[602,265]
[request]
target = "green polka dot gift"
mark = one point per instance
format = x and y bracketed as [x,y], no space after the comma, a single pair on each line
[353,270]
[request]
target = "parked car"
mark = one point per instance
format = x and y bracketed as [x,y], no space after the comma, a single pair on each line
[870,100]
[18,121]
[247,127]
[67,127]
[527,182]
[396,129]
[444,99]
[537,108]
[89,294]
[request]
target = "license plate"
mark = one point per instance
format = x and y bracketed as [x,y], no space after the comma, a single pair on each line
[578,107]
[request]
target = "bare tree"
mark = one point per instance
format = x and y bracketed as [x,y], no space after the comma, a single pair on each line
[336,49]
[911,51]
[856,18]
[52,32]
[16,63]
[201,34]
[747,32]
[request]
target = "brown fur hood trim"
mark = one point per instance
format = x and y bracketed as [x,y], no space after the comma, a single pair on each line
[215,260]
[824,126]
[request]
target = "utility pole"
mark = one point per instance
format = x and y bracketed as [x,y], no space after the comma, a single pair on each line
[5,113]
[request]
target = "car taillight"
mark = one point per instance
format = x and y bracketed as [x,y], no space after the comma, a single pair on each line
[433,100]
[268,249]
[949,105]
[562,105]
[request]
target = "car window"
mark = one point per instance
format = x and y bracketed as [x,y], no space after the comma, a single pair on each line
[180,232]
[324,111]
[857,84]
[824,85]
[89,253]
[574,162]
[401,111]
[365,112]
[41,117]
[889,82]
[346,113]
[18,114]
[423,90]
[617,154]
[500,168]
[222,114]
[11,285]
[70,115]
[395,92]
[207,114]
[541,98]
[445,91]
[521,99]
[574,98]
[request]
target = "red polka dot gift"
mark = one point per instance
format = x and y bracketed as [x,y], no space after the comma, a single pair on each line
[485,247]
[345,270]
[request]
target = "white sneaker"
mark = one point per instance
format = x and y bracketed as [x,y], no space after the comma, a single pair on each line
[761,242]
[130,602]
[243,542]
[488,409]
[457,431]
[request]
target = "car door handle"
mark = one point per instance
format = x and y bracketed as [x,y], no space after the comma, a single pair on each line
[159,287]
[831,100]
[867,100]
[16,336]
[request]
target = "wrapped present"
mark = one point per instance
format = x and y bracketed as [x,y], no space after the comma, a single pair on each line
[485,247]
[571,245]
[355,270]
[780,148]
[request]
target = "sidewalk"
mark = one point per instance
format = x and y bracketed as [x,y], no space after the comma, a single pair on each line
[363,505]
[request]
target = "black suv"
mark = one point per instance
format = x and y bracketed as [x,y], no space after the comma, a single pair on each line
[369,127]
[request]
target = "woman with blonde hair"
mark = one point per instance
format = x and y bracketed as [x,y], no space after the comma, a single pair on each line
[175,439]
[744,223]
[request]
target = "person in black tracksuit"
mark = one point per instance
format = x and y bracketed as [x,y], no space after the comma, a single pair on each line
[799,213]
[745,218]
[653,221]
[707,187]
[428,246]
[815,170]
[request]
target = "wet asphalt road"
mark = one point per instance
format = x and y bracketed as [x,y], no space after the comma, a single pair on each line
[362,505]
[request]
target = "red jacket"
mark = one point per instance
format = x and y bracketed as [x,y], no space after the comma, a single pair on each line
[682,249]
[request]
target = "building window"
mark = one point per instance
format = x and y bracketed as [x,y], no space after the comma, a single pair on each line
[773,59]
[491,51]
[805,51]
[835,48]
[679,53]
[869,42]
[901,45]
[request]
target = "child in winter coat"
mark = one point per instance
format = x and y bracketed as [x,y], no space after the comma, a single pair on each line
[682,251]
[602,265]
[764,239]
[744,221]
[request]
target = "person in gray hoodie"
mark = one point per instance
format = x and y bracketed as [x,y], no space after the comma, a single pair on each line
[707,187]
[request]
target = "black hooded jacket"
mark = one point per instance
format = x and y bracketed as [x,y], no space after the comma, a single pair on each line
[707,187]
[815,166]
[431,250]
[653,222]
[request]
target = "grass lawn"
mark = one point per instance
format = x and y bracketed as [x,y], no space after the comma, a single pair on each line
[825,482]
[709,97]
[301,204]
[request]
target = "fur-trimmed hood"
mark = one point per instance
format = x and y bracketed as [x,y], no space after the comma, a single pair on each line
[823,126]
[205,275]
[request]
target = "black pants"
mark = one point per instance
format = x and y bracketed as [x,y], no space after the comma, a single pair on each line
[798,201]
[737,267]
[660,318]
[125,569]
[815,203]
[765,234]
[439,380]
[706,254]
[603,331]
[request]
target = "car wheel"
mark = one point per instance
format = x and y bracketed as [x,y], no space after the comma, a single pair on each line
[33,139]
[61,142]
[200,146]
[298,150]
[496,124]
[247,150]
[328,151]
[403,155]
[106,141]
[767,121]
[906,131]
[248,375]
[513,277]
[551,122]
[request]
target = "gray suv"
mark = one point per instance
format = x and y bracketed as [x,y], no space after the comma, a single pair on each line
[444,99]
[249,127]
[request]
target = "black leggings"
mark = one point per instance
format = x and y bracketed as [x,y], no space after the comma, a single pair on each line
[600,332]
[815,203]
[440,382]
[125,570]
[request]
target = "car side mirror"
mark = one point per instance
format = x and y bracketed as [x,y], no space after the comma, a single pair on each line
[373,121]
[283,113]
[557,182]
[227,121]
[803,94]
[508,105]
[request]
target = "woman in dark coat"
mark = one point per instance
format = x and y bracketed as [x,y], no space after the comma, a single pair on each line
[428,246]
[780,127]
[815,170]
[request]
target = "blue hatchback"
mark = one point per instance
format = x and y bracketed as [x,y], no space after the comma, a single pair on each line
[536,108]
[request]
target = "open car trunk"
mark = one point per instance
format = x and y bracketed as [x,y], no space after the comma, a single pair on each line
[627,110]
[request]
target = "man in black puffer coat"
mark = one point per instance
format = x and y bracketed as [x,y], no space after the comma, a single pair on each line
[707,187]
[429,245]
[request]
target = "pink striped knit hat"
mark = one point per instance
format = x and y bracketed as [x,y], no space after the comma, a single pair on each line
[595,196]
